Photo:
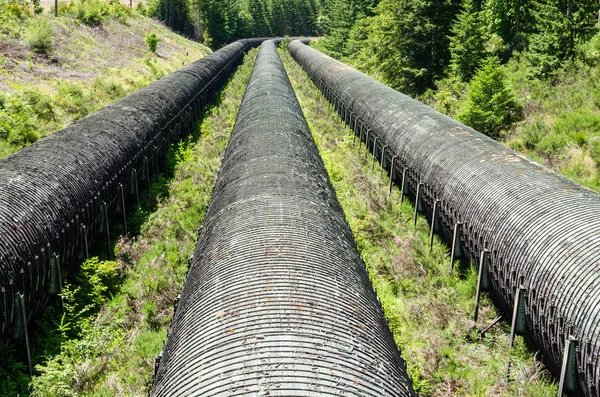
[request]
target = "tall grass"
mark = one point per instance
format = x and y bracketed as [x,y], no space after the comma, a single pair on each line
[39,36]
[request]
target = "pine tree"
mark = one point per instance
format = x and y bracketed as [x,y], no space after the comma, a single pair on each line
[261,18]
[410,42]
[221,19]
[339,17]
[560,26]
[491,106]
[467,44]
[512,20]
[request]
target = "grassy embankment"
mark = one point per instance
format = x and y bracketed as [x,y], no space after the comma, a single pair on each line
[428,307]
[117,312]
[56,70]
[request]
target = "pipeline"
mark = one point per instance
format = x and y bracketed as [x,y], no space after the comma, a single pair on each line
[57,196]
[277,300]
[534,232]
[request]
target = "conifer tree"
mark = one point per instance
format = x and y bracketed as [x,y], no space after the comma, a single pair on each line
[491,106]
[410,43]
[467,44]
[512,20]
[261,18]
[560,26]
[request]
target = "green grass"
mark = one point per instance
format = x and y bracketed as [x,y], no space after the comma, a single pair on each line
[56,70]
[116,323]
[428,306]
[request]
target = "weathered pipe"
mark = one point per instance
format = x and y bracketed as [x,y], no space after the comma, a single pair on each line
[277,300]
[541,229]
[57,195]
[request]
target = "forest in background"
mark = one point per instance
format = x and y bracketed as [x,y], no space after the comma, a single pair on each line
[522,72]
[219,22]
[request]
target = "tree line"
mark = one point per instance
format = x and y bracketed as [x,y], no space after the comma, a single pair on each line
[421,46]
[218,22]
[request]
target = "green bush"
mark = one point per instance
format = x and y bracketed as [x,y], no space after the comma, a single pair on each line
[91,12]
[141,9]
[73,100]
[37,7]
[110,88]
[595,150]
[152,40]
[491,106]
[40,103]
[17,122]
[119,11]
[39,35]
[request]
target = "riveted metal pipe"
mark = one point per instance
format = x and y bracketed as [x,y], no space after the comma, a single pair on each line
[277,295]
[540,228]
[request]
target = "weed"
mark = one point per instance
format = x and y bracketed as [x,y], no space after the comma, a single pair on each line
[40,103]
[72,99]
[91,12]
[39,36]
[152,40]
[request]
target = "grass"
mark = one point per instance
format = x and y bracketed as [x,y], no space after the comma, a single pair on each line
[56,70]
[428,306]
[122,318]
[39,35]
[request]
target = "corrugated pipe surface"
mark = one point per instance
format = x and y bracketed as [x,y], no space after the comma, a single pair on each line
[57,195]
[542,231]
[277,300]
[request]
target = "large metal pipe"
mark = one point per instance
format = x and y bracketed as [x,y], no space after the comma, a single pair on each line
[56,195]
[542,229]
[277,300]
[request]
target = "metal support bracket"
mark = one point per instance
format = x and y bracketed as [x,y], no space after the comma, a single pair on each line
[135,186]
[483,279]
[392,171]
[86,248]
[568,373]
[374,152]
[106,227]
[435,222]
[123,208]
[518,324]
[22,332]
[418,204]
[404,184]
[456,250]
[382,161]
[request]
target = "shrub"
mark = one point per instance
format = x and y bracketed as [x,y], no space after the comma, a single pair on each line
[119,11]
[91,12]
[72,98]
[152,40]
[17,122]
[41,104]
[111,88]
[491,106]
[37,7]
[40,35]
[595,150]
[141,9]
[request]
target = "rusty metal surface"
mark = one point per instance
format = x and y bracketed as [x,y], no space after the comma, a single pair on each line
[52,193]
[277,300]
[542,229]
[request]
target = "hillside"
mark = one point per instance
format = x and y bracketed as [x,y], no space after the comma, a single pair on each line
[56,70]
